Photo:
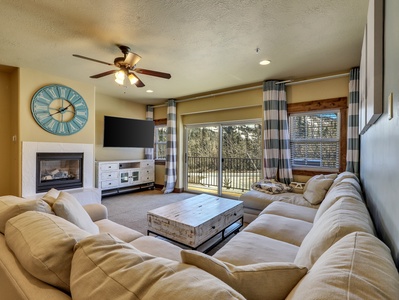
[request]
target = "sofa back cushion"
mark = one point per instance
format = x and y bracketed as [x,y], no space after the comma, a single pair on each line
[43,244]
[20,207]
[271,281]
[342,189]
[104,267]
[347,215]
[316,188]
[359,266]
[68,207]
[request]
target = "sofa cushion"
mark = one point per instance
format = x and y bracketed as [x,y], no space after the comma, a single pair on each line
[280,228]
[157,247]
[271,281]
[104,267]
[51,196]
[291,211]
[316,188]
[347,215]
[66,206]
[250,248]
[43,244]
[21,207]
[359,266]
[342,189]
[121,232]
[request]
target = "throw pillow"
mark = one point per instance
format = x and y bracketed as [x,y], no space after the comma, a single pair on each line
[21,207]
[257,281]
[316,188]
[51,196]
[7,201]
[66,206]
[104,267]
[347,215]
[43,244]
[359,266]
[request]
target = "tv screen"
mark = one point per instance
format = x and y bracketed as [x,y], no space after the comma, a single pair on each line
[122,132]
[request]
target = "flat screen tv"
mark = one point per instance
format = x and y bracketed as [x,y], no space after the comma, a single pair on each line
[123,132]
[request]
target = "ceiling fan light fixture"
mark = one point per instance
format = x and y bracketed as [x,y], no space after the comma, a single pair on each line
[132,59]
[120,77]
[133,79]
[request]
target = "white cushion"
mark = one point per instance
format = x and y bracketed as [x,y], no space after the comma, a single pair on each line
[104,267]
[7,201]
[316,187]
[271,281]
[359,266]
[43,244]
[51,196]
[341,190]
[347,215]
[66,206]
[21,207]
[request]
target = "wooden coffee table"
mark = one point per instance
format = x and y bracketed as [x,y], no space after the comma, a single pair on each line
[195,221]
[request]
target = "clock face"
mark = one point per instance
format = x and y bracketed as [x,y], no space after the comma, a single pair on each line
[59,109]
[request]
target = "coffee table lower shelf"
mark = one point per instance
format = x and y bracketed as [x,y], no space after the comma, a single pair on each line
[213,241]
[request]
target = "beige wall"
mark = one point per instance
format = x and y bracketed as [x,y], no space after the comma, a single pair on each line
[6,132]
[108,106]
[243,106]
[30,81]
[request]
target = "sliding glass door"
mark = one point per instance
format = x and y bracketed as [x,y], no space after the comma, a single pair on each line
[222,159]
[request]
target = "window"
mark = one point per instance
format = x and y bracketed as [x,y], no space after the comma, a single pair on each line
[318,136]
[315,140]
[160,142]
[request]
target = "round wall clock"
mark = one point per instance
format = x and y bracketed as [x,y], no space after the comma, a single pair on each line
[59,109]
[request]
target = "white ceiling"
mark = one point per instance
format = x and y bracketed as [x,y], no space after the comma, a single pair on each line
[206,45]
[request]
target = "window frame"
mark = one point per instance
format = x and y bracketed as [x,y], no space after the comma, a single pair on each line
[326,105]
[158,123]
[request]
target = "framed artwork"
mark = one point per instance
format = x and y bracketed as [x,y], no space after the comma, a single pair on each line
[371,68]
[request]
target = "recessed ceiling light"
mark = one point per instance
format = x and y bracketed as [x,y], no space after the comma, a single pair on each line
[264,62]
[149,91]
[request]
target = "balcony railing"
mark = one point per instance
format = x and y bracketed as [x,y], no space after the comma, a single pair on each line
[237,173]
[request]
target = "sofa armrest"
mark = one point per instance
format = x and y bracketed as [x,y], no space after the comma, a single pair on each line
[96,211]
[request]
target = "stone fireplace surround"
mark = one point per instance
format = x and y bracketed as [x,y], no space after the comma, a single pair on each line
[86,195]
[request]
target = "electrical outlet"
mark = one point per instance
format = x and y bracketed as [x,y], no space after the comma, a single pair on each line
[390,106]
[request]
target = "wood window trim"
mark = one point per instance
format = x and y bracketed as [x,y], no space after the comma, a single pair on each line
[320,105]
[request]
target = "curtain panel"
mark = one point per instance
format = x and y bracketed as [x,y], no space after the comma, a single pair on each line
[353,145]
[171,151]
[277,154]
[149,152]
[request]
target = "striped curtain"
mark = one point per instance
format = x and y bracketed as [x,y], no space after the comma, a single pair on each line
[149,152]
[277,152]
[352,152]
[171,151]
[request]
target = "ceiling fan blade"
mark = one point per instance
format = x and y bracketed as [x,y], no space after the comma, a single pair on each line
[92,59]
[153,73]
[139,83]
[104,74]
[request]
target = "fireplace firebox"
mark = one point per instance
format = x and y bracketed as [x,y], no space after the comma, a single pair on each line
[58,170]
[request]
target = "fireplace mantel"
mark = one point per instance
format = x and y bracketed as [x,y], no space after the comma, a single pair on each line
[87,194]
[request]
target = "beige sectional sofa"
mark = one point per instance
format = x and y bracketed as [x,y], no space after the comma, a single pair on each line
[49,249]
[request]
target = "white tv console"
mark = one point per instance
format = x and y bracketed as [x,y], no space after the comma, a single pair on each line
[114,177]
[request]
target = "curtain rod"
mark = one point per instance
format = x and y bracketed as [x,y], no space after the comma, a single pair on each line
[287,83]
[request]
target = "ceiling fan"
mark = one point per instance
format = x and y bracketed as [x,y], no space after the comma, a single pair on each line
[127,68]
